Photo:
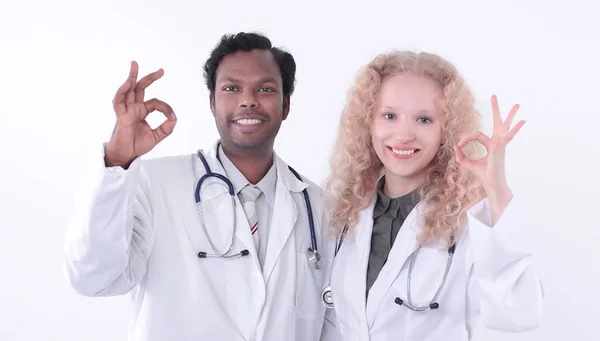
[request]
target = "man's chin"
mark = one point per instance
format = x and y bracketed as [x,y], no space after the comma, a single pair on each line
[248,143]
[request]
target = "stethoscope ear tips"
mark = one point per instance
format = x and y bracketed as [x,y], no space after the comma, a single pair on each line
[432,306]
[245,252]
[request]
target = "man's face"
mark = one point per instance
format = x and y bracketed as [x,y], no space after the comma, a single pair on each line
[248,102]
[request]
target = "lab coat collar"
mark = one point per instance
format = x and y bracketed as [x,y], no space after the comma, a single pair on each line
[284,175]
[289,180]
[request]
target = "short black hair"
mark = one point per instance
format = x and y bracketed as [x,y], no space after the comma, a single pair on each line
[232,43]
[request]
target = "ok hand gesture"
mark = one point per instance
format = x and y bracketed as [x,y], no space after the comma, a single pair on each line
[132,136]
[491,169]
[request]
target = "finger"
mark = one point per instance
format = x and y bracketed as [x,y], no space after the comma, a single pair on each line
[509,136]
[460,155]
[496,112]
[510,117]
[158,105]
[146,82]
[133,72]
[476,136]
[119,99]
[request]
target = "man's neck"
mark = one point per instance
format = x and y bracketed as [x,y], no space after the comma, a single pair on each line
[253,164]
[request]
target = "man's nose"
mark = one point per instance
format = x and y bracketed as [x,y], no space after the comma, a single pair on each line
[248,100]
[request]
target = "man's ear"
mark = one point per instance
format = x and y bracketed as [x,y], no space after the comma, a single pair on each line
[286,107]
[211,99]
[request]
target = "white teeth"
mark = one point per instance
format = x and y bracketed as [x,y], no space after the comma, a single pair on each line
[247,121]
[403,152]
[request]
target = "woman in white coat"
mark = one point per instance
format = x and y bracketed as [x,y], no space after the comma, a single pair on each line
[432,242]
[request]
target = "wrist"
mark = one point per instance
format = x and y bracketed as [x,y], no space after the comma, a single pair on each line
[503,194]
[499,199]
[112,159]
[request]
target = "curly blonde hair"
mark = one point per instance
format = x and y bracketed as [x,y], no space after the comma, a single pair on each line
[449,189]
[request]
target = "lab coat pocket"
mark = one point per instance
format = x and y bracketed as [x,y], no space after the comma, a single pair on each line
[425,280]
[215,221]
[310,282]
[427,274]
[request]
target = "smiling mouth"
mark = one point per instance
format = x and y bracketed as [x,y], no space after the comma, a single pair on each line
[248,121]
[403,151]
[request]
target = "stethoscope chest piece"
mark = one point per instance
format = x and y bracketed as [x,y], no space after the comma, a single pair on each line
[314,257]
[327,297]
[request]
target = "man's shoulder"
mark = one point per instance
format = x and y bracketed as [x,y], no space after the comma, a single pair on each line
[168,166]
[296,173]
[166,160]
[314,190]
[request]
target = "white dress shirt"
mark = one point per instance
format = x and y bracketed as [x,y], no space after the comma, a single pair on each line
[264,203]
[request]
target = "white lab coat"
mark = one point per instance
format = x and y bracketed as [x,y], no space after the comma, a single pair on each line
[491,280]
[137,231]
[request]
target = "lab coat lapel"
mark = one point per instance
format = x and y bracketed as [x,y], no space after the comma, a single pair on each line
[357,265]
[404,245]
[364,230]
[285,215]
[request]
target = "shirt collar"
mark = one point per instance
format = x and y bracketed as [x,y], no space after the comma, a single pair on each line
[403,203]
[267,184]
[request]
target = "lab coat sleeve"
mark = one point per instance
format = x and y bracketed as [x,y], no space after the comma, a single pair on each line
[110,235]
[503,286]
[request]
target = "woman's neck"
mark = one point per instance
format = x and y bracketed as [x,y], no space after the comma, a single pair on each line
[397,186]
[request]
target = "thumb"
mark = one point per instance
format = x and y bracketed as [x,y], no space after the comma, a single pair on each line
[460,156]
[165,129]
[462,159]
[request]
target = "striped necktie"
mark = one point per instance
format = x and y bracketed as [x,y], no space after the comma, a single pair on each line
[249,195]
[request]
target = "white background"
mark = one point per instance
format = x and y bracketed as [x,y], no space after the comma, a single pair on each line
[61,62]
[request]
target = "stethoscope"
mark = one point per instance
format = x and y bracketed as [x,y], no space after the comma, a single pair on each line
[312,254]
[327,297]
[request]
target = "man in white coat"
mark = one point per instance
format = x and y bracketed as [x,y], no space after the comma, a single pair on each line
[199,265]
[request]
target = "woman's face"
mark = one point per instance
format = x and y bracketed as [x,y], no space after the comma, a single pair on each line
[407,127]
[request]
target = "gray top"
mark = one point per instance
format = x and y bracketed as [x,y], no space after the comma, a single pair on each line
[388,216]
